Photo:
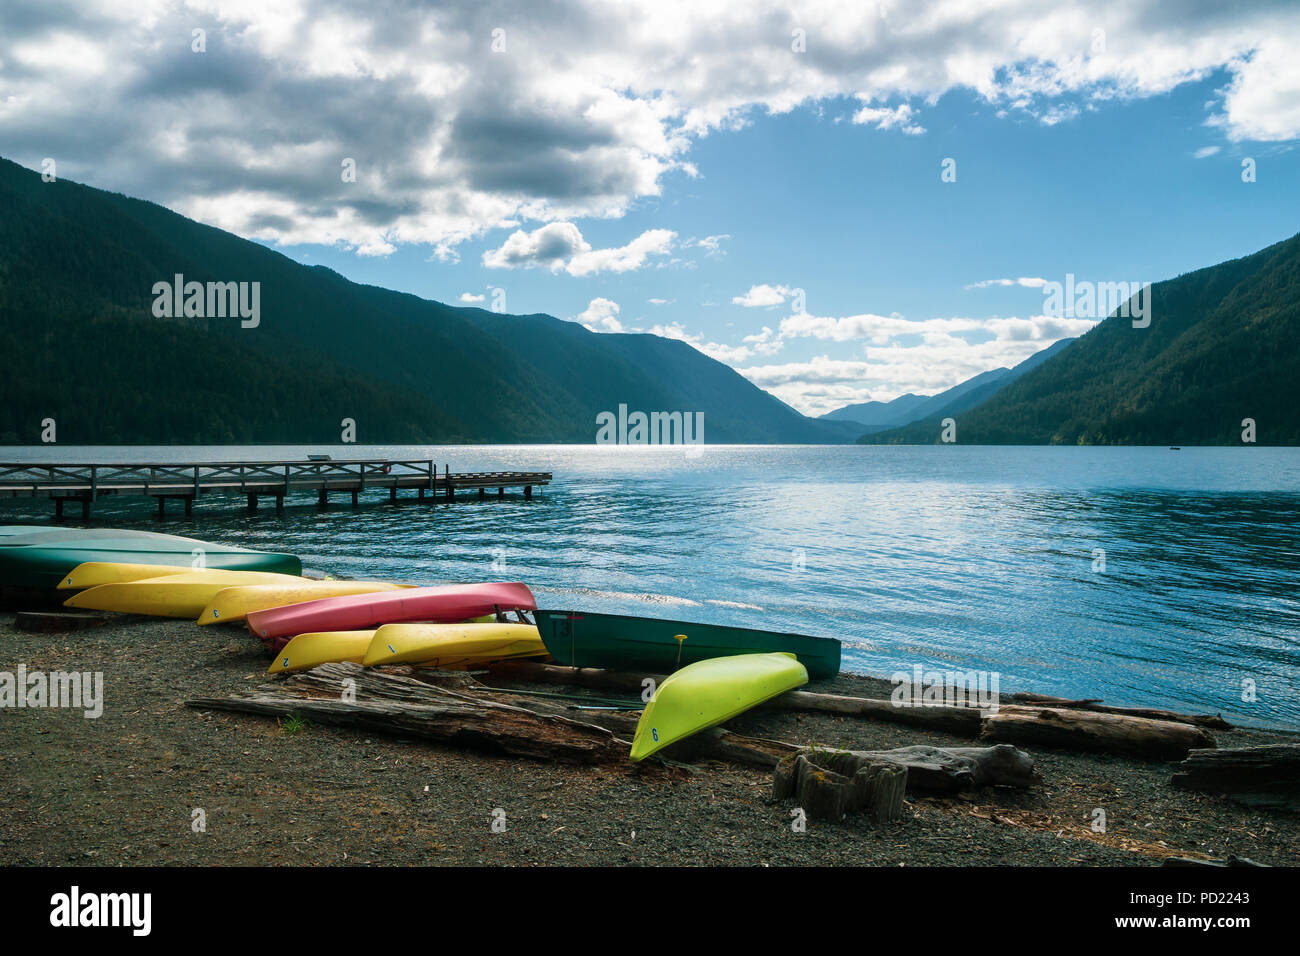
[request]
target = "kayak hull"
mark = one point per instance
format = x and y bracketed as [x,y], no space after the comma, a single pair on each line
[452,645]
[709,692]
[176,595]
[359,612]
[94,573]
[323,647]
[624,642]
[234,604]
[38,557]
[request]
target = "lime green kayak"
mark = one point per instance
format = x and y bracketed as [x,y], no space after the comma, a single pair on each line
[710,692]
[38,557]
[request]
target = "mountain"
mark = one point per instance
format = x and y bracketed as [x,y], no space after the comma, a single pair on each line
[1223,345]
[878,414]
[78,267]
[882,416]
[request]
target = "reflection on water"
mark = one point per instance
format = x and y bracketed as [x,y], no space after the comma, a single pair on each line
[950,557]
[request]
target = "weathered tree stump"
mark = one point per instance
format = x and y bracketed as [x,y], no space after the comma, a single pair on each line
[1266,776]
[875,787]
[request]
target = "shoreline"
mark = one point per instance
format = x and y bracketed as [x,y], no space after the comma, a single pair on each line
[122,789]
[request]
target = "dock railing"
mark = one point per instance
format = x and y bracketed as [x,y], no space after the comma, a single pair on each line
[188,480]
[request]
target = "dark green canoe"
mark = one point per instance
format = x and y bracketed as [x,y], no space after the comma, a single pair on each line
[621,642]
[35,557]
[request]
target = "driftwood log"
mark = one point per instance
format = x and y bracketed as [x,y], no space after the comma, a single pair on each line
[950,769]
[1213,721]
[1092,730]
[1266,776]
[1102,733]
[409,708]
[857,785]
[385,692]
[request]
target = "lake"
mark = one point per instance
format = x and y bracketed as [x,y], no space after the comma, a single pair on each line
[1144,576]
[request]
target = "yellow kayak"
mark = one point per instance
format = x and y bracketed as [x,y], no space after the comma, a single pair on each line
[710,692]
[236,603]
[94,573]
[176,595]
[449,645]
[321,647]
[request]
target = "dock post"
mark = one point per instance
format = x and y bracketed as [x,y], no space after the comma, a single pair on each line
[482,492]
[354,497]
[422,490]
[85,509]
[528,491]
[279,504]
[162,506]
[252,504]
[392,492]
[324,500]
[501,492]
[189,506]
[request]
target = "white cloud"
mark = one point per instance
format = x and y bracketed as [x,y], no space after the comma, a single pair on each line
[1205,151]
[1028,282]
[560,246]
[901,355]
[712,245]
[589,109]
[762,343]
[661,301]
[652,242]
[900,117]
[762,295]
[601,315]
[471,297]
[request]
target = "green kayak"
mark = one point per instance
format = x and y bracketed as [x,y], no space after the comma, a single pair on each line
[621,642]
[37,558]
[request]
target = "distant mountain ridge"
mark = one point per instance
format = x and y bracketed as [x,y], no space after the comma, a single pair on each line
[882,416]
[77,266]
[1219,360]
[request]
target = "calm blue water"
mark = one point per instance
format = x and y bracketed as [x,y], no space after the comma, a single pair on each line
[966,557]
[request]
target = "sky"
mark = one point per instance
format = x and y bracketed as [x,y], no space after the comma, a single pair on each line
[843,201]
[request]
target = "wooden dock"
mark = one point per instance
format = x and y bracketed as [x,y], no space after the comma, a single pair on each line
[63,483]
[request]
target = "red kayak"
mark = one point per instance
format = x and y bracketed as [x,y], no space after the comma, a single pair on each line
[362,612]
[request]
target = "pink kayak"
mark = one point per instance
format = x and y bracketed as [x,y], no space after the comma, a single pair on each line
[360,612]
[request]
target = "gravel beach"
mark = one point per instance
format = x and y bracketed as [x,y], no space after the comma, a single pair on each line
[124,788]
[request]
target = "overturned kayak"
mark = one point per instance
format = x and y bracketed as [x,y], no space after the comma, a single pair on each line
[322,647]
[94,573]
[176,595]
[623,642]
[710,692]
[41,557]
[450,645]
[236,603]
[359,612]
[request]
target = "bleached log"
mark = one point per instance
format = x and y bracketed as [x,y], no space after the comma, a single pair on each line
[1088,731]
